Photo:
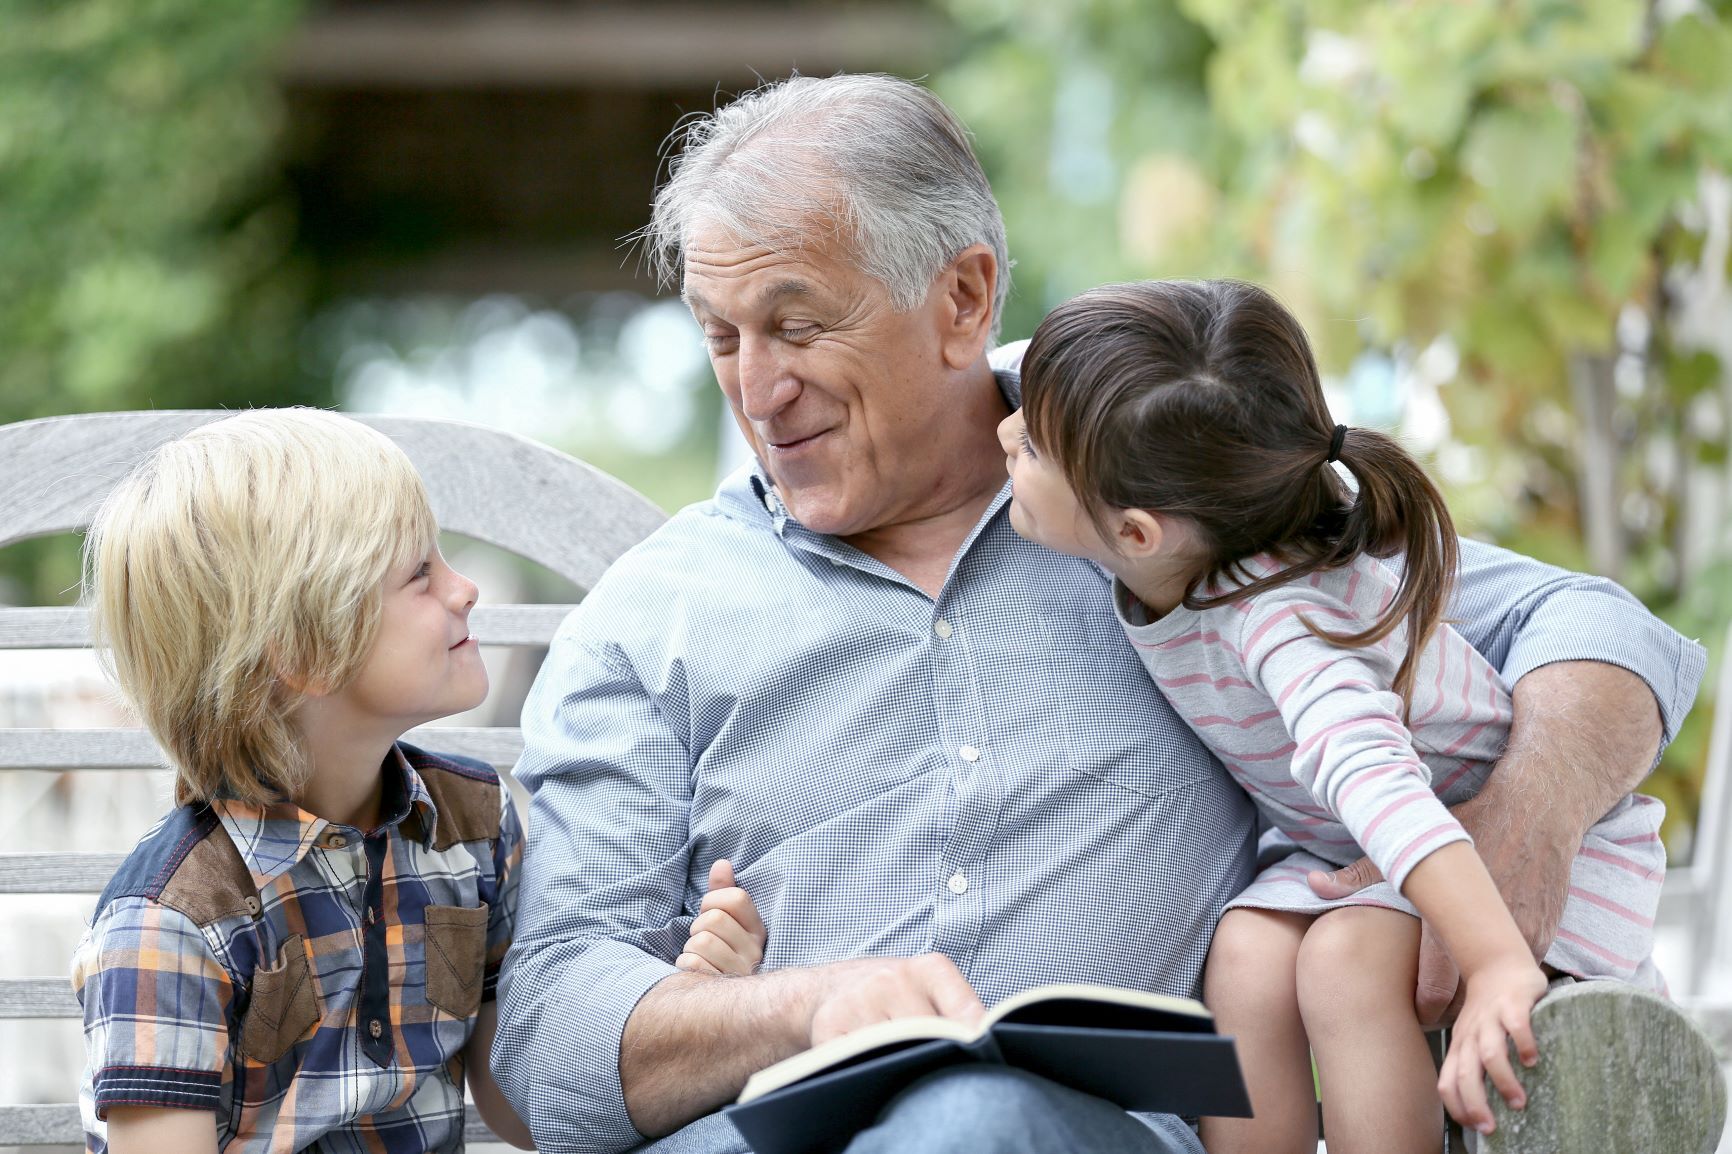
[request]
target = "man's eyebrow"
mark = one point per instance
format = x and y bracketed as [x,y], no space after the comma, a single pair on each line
[780,291]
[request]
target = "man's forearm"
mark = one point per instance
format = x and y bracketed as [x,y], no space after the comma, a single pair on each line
[1585,734]
[693,1040]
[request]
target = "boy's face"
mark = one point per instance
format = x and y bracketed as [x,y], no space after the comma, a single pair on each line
[425,663]
[1043,508]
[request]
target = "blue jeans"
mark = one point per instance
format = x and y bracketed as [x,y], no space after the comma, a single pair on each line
[980,1109]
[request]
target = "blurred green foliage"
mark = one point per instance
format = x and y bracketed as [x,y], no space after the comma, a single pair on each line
[1520,179]
[145,242]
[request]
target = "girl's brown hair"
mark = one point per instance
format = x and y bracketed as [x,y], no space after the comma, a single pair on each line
[1201,400]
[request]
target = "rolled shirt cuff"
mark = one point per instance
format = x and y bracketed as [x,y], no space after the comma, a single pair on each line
[156,1086]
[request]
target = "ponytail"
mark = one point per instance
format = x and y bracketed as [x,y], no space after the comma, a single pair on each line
[1397,510]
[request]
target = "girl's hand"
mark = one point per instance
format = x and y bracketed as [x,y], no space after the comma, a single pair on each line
[1500,1000]
[728,936]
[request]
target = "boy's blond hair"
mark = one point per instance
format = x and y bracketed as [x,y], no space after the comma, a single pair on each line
[240,566]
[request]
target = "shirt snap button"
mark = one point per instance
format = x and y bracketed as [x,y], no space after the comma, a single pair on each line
[375,1028]
[336,841]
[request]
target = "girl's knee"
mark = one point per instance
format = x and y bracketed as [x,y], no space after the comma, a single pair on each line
[1251,960]
[1356,966]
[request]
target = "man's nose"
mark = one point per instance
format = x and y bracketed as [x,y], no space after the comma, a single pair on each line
[766,383]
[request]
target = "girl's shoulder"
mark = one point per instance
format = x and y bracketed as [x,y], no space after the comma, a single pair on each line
[1364,585]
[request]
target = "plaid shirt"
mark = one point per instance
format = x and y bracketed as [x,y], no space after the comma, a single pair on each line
[311,984]
[990,774]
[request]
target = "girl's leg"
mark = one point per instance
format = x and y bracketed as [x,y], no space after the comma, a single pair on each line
[1249,986]
[1356,974]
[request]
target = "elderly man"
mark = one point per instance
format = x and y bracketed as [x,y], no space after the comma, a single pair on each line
[923,742]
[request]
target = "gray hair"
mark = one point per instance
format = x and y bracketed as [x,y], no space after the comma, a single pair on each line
[881,158]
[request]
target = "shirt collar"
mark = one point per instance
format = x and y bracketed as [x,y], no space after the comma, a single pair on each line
[273,838]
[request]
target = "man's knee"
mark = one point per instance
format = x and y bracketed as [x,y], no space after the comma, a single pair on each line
[989,1109]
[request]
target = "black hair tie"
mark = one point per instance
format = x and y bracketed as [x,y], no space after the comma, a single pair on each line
[1335,443]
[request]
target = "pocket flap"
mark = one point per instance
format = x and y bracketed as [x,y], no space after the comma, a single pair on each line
[284,1005]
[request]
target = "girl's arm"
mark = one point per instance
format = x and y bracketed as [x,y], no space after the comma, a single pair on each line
[157,1130]
[1354,753]
[495,1110]
[1455,895]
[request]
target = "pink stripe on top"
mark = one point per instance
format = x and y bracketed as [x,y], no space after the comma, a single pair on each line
[1317,738]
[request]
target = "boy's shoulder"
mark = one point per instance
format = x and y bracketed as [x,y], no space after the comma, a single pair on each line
[189,864]
[466,794]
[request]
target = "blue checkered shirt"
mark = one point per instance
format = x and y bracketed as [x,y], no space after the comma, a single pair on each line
[991,774]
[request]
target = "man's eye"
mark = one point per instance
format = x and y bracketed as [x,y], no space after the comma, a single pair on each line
[798,332]
[720,342]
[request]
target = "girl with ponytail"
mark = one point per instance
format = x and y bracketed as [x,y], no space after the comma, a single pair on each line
[1176,434]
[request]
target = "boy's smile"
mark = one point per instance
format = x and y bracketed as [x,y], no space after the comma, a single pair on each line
[425,663]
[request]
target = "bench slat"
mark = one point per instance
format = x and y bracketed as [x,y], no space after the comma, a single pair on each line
[67,749]
[57,873]
[69,628]
[59,1125]
[37,998]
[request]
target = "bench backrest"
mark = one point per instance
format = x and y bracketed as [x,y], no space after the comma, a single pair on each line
[489,485]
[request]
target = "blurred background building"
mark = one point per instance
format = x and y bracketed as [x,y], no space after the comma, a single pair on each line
[1506,225]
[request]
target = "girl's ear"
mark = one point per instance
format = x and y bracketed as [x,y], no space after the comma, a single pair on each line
[1137,533]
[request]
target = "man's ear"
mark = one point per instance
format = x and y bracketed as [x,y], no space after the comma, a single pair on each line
[969,286]
[1137,533]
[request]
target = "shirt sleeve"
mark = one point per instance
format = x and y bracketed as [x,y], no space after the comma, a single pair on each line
[1349,744]
[156,1009]
[507,869]
[603,897]
[1522,614]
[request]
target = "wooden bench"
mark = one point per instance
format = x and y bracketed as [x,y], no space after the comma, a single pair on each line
[1623,1071]
[492,486]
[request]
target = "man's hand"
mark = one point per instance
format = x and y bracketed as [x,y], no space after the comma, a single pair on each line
[727,936]
[880,989]
[692,1041]
[1584,735]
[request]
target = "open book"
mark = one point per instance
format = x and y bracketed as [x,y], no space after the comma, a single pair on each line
[1144,1052]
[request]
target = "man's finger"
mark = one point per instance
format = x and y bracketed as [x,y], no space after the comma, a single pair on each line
[1435,999]
[952,996]
[1346,881]
[722,874]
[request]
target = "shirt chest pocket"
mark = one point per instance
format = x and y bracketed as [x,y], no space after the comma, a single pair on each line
[456,938]
[283,1007]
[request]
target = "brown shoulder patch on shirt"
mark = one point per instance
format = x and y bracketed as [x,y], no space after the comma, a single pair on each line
[212,882]
[468,806]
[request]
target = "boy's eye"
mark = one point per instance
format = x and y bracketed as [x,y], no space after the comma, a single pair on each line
[1027,445]
[425,569]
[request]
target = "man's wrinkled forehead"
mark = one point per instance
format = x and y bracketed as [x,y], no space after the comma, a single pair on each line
[722,273]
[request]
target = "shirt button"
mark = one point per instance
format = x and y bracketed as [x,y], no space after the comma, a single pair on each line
[370,918]
[968,753]
[942,628]
[375,1028]
[336,841]
[958,883]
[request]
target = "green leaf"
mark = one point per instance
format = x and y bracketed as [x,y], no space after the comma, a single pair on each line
[1525,160]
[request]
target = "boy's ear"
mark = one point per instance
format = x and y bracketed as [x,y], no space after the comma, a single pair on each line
[1137,533]
[969,288]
